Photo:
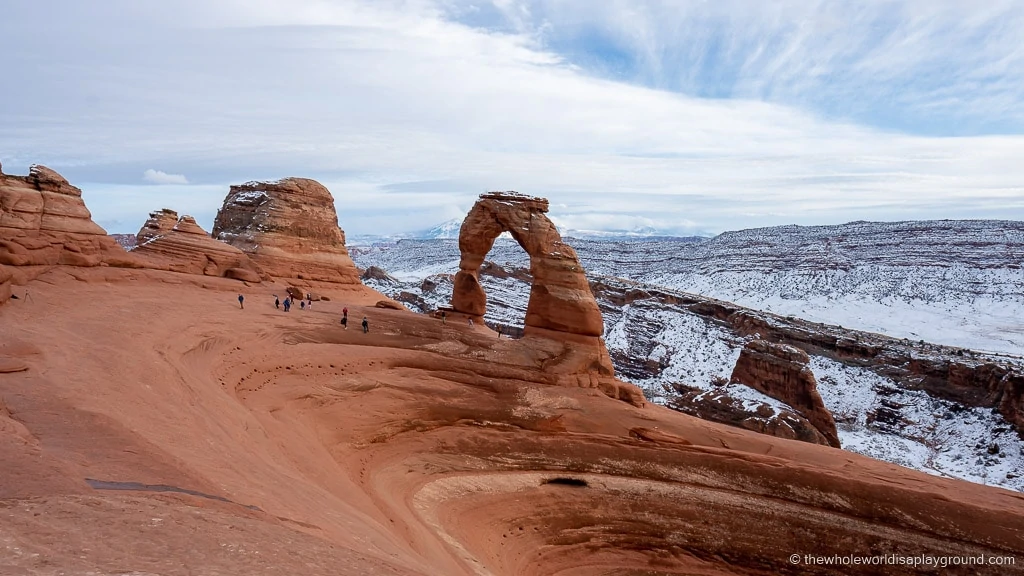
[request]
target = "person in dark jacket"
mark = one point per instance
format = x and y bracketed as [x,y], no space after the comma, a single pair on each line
[366,325]
[241,302]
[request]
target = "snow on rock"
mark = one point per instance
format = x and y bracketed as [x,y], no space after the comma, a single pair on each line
[877,418]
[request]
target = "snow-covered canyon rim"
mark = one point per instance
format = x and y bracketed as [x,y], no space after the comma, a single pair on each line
[955,282]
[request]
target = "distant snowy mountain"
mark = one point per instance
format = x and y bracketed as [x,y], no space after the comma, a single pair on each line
[649,233]
[449,230]
[444,230]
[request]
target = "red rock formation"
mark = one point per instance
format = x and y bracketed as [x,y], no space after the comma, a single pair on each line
[44,222]
[289,227]
[561,306]
[781,371]
[160,222]
[560,297]
[187,248]
[719,405]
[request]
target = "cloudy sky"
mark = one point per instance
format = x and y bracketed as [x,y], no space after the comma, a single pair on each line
[684,115]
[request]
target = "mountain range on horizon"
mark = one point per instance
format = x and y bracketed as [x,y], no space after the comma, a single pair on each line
[449,230]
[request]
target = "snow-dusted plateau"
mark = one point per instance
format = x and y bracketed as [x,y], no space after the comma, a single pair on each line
[896,318]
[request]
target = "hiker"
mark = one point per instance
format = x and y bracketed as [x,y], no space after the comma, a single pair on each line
[241,302]
[302,304]
[309,305]
[443,316]
[344,322]
[470,322]
[366,325]
[498,328]
[277,302]
[287,304]
[344,311]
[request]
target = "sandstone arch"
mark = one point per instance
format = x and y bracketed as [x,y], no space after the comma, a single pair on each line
[560,297]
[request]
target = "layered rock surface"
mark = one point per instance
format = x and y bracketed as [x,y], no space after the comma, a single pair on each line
[782,372]
[187,248]
[289,228]
[44,222]
[5,284]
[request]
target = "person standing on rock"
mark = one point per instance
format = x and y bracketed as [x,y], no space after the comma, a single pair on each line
[344,311]
[470,322]
[287,304]
[366,325]
[302,304]
[277,302]
[443,317]
[241,302]
[344,322]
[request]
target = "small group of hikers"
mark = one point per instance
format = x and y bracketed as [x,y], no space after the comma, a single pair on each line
[306,304]
[344,320]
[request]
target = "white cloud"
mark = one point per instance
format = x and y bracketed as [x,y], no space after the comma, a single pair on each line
[401,113]
[160,177]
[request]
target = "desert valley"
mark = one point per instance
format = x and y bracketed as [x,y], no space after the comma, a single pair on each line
[518,403]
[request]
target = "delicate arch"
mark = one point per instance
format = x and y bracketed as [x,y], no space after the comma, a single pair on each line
[560,297]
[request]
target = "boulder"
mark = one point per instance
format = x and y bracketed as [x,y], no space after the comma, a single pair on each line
[44,222]
[782,372]
[376,274]
[389,304]
[289,228]
[187,248]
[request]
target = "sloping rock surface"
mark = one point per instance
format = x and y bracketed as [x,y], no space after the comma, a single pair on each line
[5,284]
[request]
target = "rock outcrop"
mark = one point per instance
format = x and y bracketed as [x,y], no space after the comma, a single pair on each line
[781,371]
[44,222]
[560,297]
[289,228]
[187,248]
[729,406]
[160,222]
